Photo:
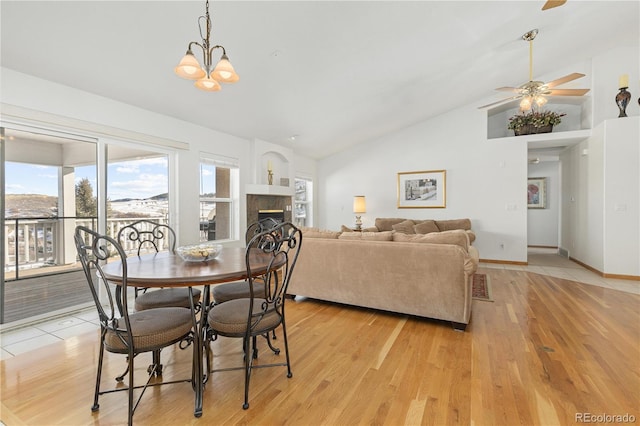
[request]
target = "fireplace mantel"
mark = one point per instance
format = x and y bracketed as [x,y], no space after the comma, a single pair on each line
[269,190]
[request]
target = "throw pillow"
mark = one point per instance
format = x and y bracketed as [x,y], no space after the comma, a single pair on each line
[426,227]
[386,224]
[344,228]
[405,227]
[448,225]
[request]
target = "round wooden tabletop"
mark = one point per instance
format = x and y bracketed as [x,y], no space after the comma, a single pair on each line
[166,269]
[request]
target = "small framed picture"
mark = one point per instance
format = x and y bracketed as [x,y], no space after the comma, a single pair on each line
[284,181]
[419,190]
[537,193]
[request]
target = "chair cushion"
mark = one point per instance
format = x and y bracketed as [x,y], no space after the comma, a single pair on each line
[166,298]
[236,290]
[230,318]
[152,329]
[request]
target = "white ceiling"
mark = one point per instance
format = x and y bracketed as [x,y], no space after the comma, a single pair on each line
[334,73]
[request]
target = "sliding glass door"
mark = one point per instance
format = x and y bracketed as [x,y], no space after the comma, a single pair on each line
[41,209]
[52,183]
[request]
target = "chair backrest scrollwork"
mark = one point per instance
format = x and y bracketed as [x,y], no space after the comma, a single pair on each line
[279,247]
[149,235]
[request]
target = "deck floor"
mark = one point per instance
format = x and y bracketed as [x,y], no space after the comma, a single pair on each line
[39,295]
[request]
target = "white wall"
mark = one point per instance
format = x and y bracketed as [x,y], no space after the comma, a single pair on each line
[543,224]
[40,95]
[484,181]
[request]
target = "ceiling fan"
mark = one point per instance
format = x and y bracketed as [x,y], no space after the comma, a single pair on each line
[535,92]
[553,3]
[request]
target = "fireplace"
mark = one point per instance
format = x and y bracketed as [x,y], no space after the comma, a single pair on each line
[275,206]
[277,215]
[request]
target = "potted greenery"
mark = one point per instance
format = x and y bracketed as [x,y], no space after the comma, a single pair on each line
[532,122]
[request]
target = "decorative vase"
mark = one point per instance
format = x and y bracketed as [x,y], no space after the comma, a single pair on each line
[529,129]
[270,177]
[622,100]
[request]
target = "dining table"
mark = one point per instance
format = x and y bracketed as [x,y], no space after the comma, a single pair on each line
[167,269]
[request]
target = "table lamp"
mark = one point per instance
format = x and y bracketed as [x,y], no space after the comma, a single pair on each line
[359,207]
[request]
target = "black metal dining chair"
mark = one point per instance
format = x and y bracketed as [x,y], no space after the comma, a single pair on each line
[240,289]
[146,235]
[122,332]
[263,311]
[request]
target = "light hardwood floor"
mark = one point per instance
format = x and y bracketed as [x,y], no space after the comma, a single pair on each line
[545,351]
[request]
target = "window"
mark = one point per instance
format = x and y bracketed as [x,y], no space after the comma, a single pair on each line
[303,211]
[219,192]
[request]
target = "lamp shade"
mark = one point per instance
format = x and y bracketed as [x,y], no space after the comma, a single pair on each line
[189,67]
[208,84]
[224,72]
[359,204]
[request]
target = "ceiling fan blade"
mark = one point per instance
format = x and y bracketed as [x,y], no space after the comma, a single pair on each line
[553,3]
[507,89]
[565,79]
[499,102]
[568,92]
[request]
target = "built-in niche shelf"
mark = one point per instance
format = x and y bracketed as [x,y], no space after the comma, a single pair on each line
[576,123]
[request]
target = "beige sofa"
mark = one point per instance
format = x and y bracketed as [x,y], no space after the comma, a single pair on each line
[427,275]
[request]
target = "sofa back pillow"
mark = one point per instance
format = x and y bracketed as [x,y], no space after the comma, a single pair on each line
[426,227]
[386,224]
[449,225]
[369,236]
[321,234]
[406,227]
[457,237]
[378,236]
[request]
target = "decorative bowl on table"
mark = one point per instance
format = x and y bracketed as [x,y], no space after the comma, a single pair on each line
[199,252]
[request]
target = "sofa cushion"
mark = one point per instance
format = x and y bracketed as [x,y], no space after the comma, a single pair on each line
[369,236]
[448,225]
[471,235]
[321,234]
[406,227]
[426,227]
[457,237]
[378,236]
[304,229]
[386,224]
[350,235]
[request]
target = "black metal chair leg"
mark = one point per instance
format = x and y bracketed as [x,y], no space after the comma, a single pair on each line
[96,406]
[155,365]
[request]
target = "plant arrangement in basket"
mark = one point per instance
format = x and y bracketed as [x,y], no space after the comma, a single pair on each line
[535,121]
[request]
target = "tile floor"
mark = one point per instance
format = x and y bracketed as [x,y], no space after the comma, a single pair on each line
[14,342]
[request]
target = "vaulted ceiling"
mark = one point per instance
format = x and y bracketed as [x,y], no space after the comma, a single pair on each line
[332,73]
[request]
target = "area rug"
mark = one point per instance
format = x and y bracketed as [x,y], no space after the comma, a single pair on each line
[481,289]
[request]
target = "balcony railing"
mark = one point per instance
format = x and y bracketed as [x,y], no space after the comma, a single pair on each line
[40,242]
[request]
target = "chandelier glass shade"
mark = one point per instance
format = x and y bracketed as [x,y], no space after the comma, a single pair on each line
[208,78]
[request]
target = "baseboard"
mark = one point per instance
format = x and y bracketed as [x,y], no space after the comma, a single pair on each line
[505,262]
[549,247]
[606,275]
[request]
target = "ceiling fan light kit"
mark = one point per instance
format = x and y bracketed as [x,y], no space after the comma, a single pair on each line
[534,93]
[207,78]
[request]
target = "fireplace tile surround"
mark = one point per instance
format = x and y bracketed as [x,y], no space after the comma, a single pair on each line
[257,202]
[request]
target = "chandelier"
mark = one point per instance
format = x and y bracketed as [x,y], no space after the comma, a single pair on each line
[206,78]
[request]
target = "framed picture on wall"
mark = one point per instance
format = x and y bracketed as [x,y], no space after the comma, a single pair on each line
[419,190]
[537,193]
